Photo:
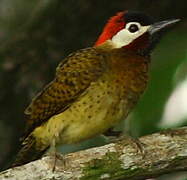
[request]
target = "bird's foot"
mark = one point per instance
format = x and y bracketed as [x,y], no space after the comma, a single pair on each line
[57,156]
[57,160]
[135,142]
[115,136]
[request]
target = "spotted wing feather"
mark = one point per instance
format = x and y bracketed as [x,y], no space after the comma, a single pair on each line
[73,75]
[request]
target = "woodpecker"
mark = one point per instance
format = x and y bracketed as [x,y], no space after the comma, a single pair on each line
[93,88]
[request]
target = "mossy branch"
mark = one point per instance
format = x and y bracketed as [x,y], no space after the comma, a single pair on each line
[164,152]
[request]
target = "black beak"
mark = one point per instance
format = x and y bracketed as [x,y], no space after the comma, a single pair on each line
[159,26]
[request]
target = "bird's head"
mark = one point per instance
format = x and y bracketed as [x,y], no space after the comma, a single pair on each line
[133,30]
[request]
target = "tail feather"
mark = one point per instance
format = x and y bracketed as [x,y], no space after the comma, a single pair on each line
[29,151]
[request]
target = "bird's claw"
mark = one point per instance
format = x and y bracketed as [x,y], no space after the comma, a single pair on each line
[139,145]
[135,142]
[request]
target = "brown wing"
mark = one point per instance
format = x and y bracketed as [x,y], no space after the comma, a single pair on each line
[73,75]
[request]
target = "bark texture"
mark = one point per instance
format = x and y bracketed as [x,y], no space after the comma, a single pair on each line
[163,153]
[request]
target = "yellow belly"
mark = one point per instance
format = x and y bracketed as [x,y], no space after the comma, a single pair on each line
[97,110]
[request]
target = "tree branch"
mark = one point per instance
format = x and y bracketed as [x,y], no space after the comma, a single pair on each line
[164,152]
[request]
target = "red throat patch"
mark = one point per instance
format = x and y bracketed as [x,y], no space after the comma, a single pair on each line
[114,25]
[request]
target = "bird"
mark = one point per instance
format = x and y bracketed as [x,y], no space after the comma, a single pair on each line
[93,88]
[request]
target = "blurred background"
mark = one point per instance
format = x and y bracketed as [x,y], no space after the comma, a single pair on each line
[36,35]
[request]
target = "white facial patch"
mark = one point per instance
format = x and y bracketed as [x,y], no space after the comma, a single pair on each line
[125,36]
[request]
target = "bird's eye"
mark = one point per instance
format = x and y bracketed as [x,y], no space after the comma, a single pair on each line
[133,28]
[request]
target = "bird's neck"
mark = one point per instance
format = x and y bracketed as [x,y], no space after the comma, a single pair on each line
[138,46]
[108,45]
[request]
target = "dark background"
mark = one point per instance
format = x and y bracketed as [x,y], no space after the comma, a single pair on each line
[36,35]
